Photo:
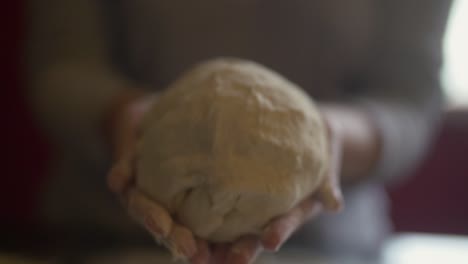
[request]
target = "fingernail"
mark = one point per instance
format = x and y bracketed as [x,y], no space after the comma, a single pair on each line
[274,245]
[153,228]
[271,242]
[187,250]
[279,233]
[277,247]
[176,252]
[117,178]
[183,241]
[338,201]
[159,221]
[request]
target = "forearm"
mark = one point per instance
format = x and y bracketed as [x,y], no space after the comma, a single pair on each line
[388,127]
[383,140]
[125,112]
[361,140]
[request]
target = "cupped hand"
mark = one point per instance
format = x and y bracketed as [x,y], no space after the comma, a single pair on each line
[124,122]
[328,198]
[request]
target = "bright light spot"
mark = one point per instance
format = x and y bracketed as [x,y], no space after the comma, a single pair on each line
[455,70]
[427,249]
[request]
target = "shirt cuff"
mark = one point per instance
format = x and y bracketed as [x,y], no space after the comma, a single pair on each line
[405,133]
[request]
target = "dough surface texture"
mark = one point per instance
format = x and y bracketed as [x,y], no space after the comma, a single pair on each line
[229,146]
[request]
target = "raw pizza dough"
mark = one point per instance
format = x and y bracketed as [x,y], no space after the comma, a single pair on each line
[229,146]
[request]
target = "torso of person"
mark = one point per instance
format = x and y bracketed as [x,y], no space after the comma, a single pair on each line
[320,45]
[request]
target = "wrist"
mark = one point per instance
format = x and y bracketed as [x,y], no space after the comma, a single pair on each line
[360,139]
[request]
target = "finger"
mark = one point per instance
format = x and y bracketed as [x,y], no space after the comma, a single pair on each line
[124,140]
[330,192]
[244,251]
[178,239]
[281,229]
[181,242]
[139,109]
[151,215]
[203,255]
[126,127]
[330,196]
[120,176]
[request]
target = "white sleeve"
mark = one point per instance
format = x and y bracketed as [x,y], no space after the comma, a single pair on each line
[404,94]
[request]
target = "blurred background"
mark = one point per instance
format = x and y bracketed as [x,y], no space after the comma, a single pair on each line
[433,201]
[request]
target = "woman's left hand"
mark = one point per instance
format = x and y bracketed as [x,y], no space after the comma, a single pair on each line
[246,249]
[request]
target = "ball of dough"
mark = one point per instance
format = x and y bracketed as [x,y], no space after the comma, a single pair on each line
[229,146]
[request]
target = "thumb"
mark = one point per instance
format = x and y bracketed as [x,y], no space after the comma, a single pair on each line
[330,196]
[330,191]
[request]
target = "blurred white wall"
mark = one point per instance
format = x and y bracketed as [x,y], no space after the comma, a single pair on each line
[455,71]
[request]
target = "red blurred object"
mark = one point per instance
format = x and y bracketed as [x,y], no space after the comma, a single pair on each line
[435,199]
[24,150]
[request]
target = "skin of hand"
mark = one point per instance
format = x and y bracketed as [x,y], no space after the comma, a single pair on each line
[122,128]
[360,140]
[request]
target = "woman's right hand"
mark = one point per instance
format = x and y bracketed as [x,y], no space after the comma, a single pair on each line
[122,128]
